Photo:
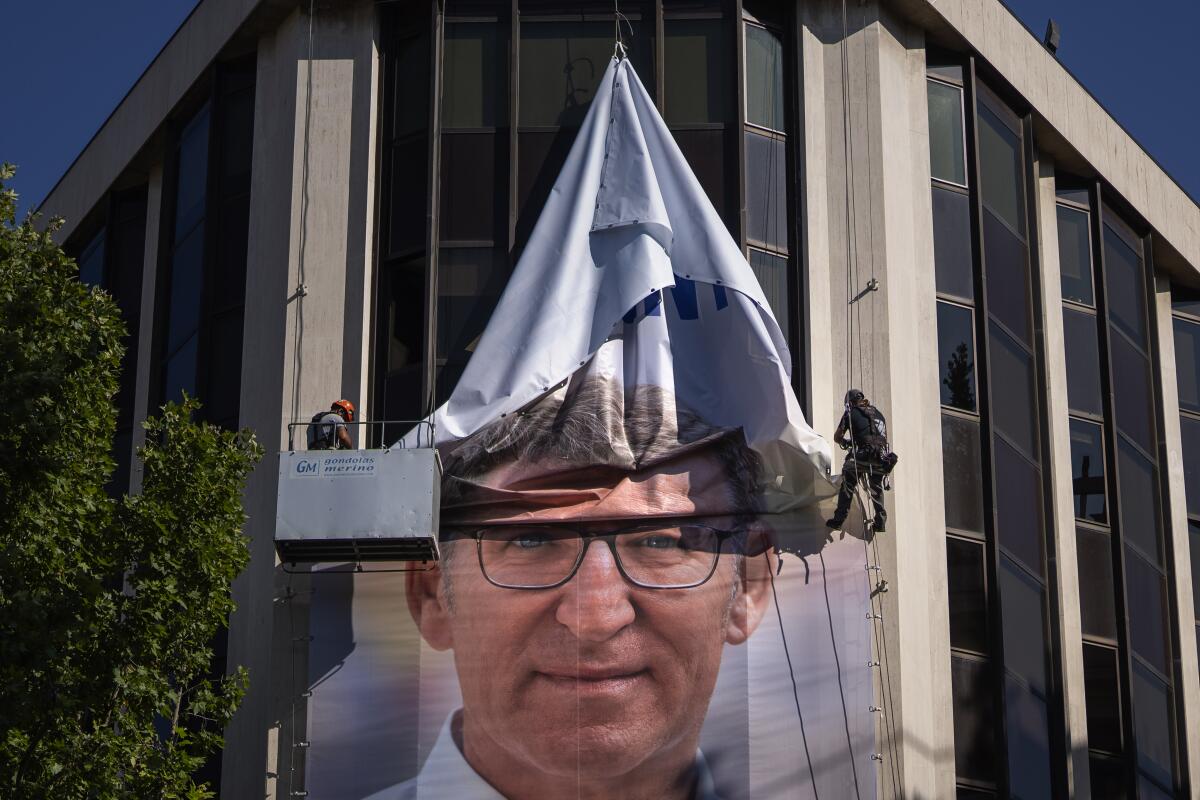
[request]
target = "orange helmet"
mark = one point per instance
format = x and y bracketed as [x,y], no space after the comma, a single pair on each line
[346,407]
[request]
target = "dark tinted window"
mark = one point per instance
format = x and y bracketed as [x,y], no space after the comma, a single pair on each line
[1021,603]
[403,341]
[1075,255]
[968,595]
[474,177]
[1102,691]
[408,191]
[561,65]
[1126,286]
[1007,277]
[1093,550]
[1187,364]
[1018,505]
[1002,170]
[766,190]
[961,473]
[470,280]
[1131,392]
[974,719]
[1108,777]
[1194,539]
[475,76]
[1185,300]
[1190,429]
[1083,362]
[1138,499]
[697,73]
[956,355]
[1087,470]
[91,261]
[764,77]
[947,159]
[771,271]
[1013,402]
[1146,596]
[1153,721]
[1028,741]
[192,177]
[706,152]
[952,258]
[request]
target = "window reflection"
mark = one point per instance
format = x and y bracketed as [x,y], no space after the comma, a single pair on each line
[1087,470]
[1083,362]
[764,77]
[1075,255]
[1187,363]
[947,153]
[697,87]
[956,355]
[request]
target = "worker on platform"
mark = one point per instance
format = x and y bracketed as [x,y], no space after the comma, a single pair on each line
[327,430]
[862,432]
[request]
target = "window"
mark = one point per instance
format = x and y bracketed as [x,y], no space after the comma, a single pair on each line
[766,191]
[1153,721]
[764,77]
[1146,590]
[1013,399]
[1102,689]
[697,89]
[1003,169]
[91,261]
[1187,363]
[474,76]
[956,355]
[1075,255]
[1018,506]
[1007,278]
[1190,439]
[1133,403]
[973,683]
[1093,551]
[771,271]
[1087,471]
[947,146]
[966,569]
[1083,362]
[960,471]
[1126,287]
[952,259]
[1138,486]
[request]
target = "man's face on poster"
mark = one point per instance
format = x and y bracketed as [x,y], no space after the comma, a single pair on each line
[599,670]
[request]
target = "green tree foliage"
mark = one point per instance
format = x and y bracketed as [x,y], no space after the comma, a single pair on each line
[108,606]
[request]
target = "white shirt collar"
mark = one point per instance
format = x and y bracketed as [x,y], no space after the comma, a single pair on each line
[446,775]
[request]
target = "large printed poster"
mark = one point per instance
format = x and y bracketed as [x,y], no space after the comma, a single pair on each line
[637,596]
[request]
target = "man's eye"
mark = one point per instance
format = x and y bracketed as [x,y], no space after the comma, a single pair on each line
[661,542]
[529,542]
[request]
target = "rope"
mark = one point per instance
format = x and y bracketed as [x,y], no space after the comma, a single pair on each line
[792,674]
[297,355]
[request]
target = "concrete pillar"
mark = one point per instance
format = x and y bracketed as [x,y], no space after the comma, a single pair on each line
[891,354]
[145,348]
[1062,544]
[1177,541]
[311,227]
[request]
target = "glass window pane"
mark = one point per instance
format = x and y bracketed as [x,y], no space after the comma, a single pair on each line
[1125,281]
[1102,692]
[91,262]
[1018,505]
[1087,470]
[764,77]
[1190,440]
[1002,170]
[1185,300]
[705,151]
[1013,402]
[950,71]
[192,177]
[1075,255]
[1083,362]
[1108,778]
[470,281]
[408,195]
[1028,742]
[947,146]
[974,719]
[697,73]
[956,355]
[961,473]
[771,271]
[1022,601]
[1132,398]
[222,390]
[187,281]
[1153,723]
[1138,504]
[1007,277]
[561,64]
[766,191]
[180,374]
[1064,191]
[968,595]
[475,75]
[410,86]
[1146,596]
[473,207]
[1194,540]
[1097,599]
[1187,364]
[952,259]
[540,156]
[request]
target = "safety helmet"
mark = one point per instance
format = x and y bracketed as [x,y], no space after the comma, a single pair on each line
[854,397]
[346,407]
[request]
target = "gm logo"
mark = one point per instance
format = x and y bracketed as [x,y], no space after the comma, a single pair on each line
[307,468]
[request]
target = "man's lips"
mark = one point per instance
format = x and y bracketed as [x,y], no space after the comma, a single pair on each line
[593,680]
[582,672]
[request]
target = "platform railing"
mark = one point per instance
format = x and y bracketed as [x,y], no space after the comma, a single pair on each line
[423,427]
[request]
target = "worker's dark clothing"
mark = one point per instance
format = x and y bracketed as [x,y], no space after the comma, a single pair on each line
[866,448]
[323,431]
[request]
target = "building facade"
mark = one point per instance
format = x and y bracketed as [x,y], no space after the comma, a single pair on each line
[303,201]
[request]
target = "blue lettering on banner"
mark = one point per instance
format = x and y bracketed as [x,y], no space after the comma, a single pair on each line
[684,293]
[307,468]
[349,465]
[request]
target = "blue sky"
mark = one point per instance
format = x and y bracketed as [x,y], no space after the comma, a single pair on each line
[68,64]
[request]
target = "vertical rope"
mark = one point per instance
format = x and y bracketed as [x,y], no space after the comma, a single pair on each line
[297,355]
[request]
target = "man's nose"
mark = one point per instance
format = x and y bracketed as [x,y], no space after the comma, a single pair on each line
[596,605]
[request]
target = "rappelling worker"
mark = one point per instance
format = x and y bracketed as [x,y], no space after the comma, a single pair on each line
[327,430]
[862,432]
